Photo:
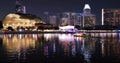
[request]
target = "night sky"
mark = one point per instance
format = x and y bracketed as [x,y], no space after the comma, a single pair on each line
[38,7]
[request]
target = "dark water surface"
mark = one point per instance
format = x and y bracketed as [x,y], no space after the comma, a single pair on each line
[60,48]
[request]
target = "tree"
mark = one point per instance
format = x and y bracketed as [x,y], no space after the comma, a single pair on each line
[10,28]
[78,27]
[40,28]
[56,28]
[1,25]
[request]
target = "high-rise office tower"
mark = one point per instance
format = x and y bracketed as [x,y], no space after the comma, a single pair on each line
[74,19]
[19,8]
[69,18]
[87,18]
[46,16]
[52,20]
[87,9]
[111,17]
[64,22]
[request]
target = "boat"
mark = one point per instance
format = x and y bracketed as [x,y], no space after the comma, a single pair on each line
[68,28]
[79,34]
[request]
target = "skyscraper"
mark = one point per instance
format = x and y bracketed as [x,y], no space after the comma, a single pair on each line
[53,20]
[111,17]
[19,8]
[87,18]
[69,18]
[64,22]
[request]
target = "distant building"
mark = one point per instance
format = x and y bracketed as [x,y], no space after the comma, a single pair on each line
[19,8]
[69,18]
[20,19]
[52,20]
[46,16]
[64,22]
[111,17]
[87,18]
[45,26]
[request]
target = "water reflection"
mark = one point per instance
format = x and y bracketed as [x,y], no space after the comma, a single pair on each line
[61,47]
[103,34]
[17,46]
[87,47]
[67,43]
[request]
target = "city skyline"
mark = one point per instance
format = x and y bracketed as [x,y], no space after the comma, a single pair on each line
[38,7]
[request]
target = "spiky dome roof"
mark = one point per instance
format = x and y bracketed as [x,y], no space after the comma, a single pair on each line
[19,17]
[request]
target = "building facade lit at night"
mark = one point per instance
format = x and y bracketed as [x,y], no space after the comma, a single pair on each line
[53,20]
[84,19]
[69,18]
[20,19]
[111,17]
[87,18]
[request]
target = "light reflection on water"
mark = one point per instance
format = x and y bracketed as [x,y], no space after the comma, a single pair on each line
[59,47]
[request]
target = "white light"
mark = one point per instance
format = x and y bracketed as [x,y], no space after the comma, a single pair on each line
[102,16]
[87,6]
[66,38]
[66,27]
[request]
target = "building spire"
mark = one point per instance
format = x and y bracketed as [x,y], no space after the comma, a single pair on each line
[87,6]
[87,9]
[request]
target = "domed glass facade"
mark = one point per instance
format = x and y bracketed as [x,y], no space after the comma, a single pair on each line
[20,20]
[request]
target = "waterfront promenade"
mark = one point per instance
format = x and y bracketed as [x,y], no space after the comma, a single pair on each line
[58,31]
